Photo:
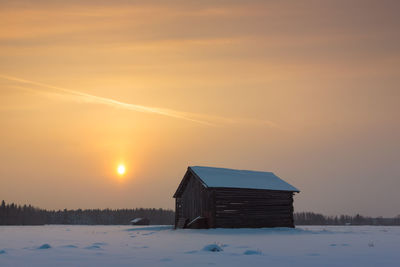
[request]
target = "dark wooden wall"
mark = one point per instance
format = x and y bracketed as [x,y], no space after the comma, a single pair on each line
[232,207]
[239,208]
[196,200]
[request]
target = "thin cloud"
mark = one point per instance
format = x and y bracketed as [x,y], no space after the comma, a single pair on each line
[89,98]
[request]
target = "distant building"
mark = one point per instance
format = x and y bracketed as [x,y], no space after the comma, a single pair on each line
[140,221]
[210,197]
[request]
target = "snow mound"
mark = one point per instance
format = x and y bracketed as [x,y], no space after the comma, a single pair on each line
[252,252]
[44,246]
[151,228]
[99,244]
[213,248]
[93,247]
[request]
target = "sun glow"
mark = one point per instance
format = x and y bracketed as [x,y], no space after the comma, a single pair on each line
[121,169]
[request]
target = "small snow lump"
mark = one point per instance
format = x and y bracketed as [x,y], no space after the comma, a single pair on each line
[44,246]
[252,252]
[213,248]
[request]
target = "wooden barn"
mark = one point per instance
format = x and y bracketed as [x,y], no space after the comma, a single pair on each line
[210,197]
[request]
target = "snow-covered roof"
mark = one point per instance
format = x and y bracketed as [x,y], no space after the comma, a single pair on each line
[221,177]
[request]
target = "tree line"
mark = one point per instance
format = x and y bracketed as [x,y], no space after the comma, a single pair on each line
[311,218]
[12,214]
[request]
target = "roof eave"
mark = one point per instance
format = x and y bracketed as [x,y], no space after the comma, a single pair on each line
[198,177]
[181,186]
[223,187]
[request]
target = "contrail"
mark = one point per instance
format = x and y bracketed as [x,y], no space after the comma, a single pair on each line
[109,101]
[199,118]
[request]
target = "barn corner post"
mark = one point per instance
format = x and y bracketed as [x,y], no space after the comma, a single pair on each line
[292,211]
[176,213]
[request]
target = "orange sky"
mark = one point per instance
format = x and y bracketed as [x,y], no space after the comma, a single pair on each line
[306,89]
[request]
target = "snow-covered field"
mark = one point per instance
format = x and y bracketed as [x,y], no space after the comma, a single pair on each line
[162,246]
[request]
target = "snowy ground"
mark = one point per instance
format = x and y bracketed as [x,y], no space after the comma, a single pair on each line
[162,246]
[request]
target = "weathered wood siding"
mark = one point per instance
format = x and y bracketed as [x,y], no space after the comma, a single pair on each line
[231,207]
[195,201]
[237,208]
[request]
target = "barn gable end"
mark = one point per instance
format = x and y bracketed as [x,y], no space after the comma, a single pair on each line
[193,199]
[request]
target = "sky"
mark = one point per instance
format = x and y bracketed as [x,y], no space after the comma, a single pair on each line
[306,89]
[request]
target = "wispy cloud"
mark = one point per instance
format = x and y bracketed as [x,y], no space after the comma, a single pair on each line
[89,98]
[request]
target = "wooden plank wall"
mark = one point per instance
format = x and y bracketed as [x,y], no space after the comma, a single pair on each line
[178,212]
[195,201]
[236,208]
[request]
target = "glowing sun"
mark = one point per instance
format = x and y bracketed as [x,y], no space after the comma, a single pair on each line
[121,169]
